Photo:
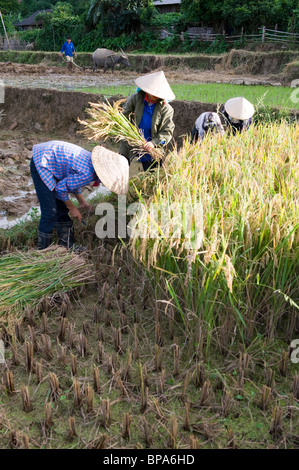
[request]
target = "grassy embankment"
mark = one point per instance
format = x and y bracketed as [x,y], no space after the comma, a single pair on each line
[243,61]
[138,61]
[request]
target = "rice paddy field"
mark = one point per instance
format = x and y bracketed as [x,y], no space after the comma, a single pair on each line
[179,336]
[215,93]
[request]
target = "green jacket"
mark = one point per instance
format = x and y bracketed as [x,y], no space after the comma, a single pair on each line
[162,121]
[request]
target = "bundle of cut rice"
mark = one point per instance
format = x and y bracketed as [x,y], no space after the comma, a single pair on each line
[27,278]
[107,122]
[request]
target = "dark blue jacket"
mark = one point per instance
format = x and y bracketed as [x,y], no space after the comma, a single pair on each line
[68,48]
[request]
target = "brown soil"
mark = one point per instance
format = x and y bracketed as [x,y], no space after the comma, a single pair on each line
[15,185]
[27,69]
[222,73]
[58,110]
[258,63]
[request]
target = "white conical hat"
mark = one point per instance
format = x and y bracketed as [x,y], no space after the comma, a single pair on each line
[112,169]
[239,108]
[156,84]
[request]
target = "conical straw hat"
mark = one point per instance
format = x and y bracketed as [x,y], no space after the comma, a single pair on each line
[239,108]
[112,169]
[156,84]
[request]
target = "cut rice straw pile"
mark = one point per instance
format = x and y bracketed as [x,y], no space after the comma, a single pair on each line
[27,278]
[107,122]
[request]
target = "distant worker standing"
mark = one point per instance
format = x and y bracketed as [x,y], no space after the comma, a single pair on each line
[68,49]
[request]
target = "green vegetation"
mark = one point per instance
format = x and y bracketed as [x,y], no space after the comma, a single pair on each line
[137,24]
[22,234]
[57,25]
[236,13]
[8,6]
[214,93]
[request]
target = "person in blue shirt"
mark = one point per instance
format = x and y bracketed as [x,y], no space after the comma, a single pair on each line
[68,49]
[149,110]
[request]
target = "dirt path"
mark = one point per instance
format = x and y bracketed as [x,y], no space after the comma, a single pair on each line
[37,76]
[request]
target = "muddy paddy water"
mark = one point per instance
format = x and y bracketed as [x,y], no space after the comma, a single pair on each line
[66,82]
[17,193]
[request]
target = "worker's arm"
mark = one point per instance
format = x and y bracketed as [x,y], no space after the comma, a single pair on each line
[166,128]
[73,184]
[84,204]
[73,211]
[62,49]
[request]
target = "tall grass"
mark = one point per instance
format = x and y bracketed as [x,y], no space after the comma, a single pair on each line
[232,260]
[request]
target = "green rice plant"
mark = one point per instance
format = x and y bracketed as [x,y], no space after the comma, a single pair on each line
[220,232]
[267,96]
[27,278]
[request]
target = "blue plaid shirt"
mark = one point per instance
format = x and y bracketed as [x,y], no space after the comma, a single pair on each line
[63,167]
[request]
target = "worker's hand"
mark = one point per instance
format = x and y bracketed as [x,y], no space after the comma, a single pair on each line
[148,146]
[85,205]
[82,202]
[61,54]
[75,213]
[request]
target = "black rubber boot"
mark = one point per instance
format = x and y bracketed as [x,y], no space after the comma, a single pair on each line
[44,240]
[65,234]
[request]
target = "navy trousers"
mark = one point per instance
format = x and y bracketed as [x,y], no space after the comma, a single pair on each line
[53,210]
[150,165]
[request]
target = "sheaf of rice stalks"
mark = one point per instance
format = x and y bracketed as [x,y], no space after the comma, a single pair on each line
[27,278]
[107,122]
